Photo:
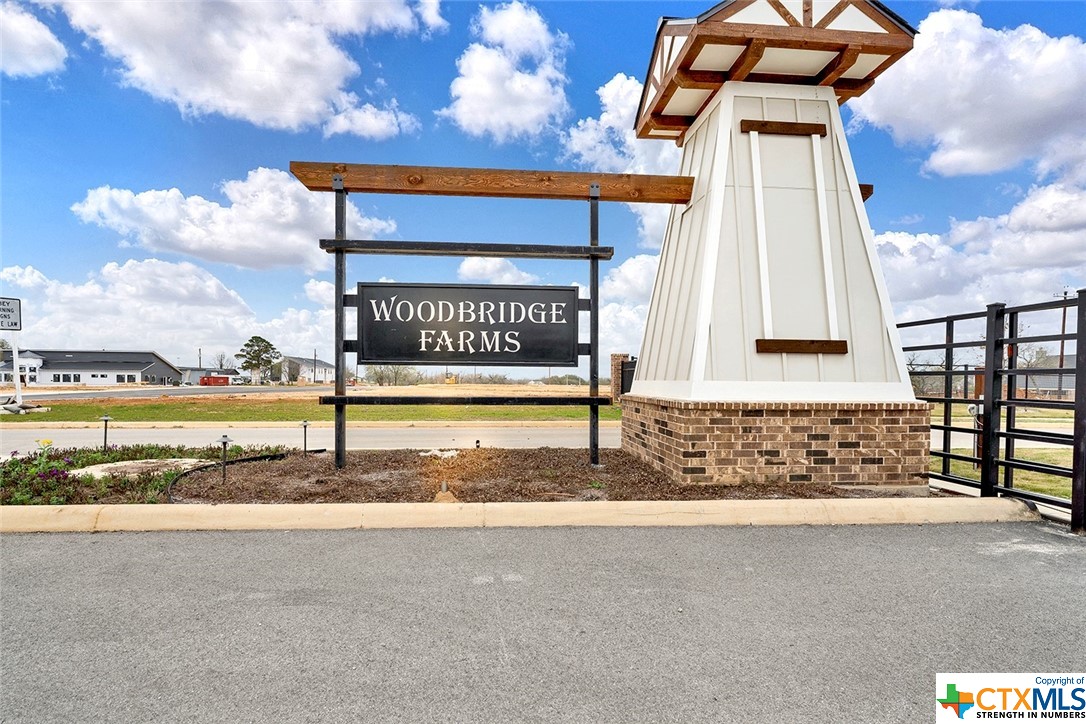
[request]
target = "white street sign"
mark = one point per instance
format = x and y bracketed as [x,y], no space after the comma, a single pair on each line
[11,314]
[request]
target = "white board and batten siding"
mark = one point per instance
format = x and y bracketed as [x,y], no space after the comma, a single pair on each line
[774,244]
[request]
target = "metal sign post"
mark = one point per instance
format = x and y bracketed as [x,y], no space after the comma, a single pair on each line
[11,319]
[594,324]
[341,325]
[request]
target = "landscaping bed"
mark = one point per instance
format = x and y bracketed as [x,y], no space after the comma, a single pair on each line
[471,476]
[50,476]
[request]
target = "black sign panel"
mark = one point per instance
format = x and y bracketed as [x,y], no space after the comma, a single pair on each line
[467,325]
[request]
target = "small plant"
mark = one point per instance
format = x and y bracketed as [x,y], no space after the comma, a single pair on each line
[596,485]
[45,476]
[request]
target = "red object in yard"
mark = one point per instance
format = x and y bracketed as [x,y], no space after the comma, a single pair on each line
[214,381]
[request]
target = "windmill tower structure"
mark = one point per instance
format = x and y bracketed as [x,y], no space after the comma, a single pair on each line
[770,351]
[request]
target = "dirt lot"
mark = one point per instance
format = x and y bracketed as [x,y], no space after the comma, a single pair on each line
[471,476]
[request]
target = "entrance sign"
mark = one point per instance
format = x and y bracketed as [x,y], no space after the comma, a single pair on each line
[11,315]
[463,324]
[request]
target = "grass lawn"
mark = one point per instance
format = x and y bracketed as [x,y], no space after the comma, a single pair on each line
[1054,485]
[255,409]
[961,417]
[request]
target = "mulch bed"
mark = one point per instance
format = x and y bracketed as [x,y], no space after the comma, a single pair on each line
[472,476]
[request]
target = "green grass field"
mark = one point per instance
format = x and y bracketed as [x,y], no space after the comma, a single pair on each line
[1055,485]
[255,409]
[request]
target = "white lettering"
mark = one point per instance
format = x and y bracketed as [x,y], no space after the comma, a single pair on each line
[423,316]
[381,314]
[410,311]
[512,344]
[514,308]
[488,342]
[466,309]
[444,311]
[466,338]
[537,313]
[444,340]
[425,338]
[486,312]
[558,312]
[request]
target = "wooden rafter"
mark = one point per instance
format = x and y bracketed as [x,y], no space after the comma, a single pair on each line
[746,62]
[838,67]
[678,74]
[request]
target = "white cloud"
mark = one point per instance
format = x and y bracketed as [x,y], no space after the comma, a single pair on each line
[493,271]
[171,308]
[27,46]
[1026,255]
[368,121]
[277,65]
[430,13]
[323,293]
[609,144]
[631,281]
[271,221]
[1016,95]
[512,84]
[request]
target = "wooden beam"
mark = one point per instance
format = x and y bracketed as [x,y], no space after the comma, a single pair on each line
[493,183]
[839,66]
[671,123]
[785,13]
[746,62]
[783,128]
[801,346]
[867,191]
[700,79]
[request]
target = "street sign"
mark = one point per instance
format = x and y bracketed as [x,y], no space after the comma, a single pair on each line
[11,315]
[462,324]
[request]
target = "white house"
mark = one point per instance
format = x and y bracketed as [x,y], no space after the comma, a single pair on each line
[312,370]
[89,367]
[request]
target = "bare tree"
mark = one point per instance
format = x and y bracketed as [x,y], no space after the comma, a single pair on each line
[392,375]
[222,361]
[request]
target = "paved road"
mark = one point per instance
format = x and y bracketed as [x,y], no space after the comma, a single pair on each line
[545,625]
[15,437]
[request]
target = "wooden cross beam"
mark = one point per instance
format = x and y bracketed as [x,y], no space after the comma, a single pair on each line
[494,183]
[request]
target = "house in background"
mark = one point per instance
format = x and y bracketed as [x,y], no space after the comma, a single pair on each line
[29,366]
[84,367]
[311,370]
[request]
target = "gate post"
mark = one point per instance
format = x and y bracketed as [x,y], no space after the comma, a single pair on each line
[993,388]
[1078,479]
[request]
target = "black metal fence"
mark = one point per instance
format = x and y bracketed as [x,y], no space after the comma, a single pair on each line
[1019,384]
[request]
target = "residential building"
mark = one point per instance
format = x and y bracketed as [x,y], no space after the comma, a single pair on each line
[89,367]
[312,370]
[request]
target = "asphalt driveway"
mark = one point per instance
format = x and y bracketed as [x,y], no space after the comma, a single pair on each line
[826,624]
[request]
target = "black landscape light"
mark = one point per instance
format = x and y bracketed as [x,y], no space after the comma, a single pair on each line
[224,441]
[305,431]
[105,431]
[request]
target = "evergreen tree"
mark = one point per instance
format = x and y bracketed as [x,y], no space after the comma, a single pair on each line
[257,356]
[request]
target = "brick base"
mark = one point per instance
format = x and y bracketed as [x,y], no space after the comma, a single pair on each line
[853,443]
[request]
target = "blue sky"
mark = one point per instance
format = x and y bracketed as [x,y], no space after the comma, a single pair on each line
[146,202]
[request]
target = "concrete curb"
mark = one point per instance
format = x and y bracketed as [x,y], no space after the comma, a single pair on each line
[371,516]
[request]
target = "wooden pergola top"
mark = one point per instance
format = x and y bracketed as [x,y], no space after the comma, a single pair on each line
[493,183]
[845,44]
